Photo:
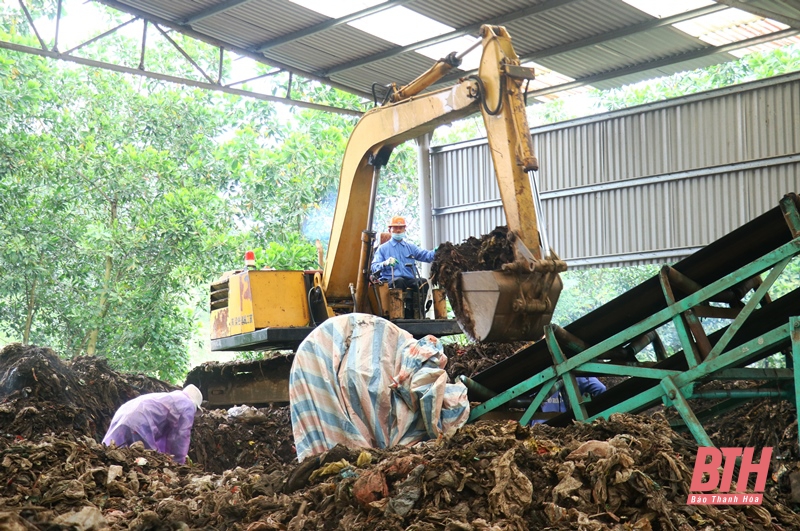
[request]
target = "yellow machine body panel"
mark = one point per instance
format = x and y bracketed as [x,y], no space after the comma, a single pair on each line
[279,298]
[261,299]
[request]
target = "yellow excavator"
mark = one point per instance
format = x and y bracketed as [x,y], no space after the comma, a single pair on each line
[258,309]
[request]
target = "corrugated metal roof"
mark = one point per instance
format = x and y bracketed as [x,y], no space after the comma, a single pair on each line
[577,39]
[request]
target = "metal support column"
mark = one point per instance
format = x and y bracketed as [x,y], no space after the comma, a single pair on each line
[570,383]
[425,209]
[794,326]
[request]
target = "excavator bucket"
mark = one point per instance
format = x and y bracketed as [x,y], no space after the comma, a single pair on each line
[513,303]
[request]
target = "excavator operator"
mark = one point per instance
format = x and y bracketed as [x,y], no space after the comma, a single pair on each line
[394,261]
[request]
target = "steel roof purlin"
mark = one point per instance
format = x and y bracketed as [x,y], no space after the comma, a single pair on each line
[211,11]
[762,12]
[328,24]
[607,37]
[680,58]
[472,28]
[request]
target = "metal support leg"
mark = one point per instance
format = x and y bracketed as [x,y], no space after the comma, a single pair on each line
[679,401]
[570,384]
[748,309]
[690,349]
[794,327]
[691,319]
[541,396]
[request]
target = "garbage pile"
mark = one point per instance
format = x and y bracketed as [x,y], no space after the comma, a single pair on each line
[471,359]
[487,253]
[242,436]
[627,473]
[39,392]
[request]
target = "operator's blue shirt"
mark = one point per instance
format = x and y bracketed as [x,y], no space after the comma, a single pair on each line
[400,251]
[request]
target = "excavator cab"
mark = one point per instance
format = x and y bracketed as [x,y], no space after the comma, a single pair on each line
[395,303]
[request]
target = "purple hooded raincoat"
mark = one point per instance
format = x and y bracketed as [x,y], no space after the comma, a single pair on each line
[162,421]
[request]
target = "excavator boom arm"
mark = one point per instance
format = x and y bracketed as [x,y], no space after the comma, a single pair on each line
[380,130]
[512,304]
[256,309]
[383,128]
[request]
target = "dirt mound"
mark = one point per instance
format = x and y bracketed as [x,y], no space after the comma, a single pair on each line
[252,436]
[40,393]
[472,358]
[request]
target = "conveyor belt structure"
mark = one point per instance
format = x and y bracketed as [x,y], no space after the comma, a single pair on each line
[745,262]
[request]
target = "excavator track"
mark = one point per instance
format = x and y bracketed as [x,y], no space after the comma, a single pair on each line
[255,383]
[266,381]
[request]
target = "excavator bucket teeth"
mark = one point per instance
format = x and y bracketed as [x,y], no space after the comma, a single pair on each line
[507,305]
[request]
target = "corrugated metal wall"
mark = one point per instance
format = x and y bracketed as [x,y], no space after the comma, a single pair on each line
[644,185]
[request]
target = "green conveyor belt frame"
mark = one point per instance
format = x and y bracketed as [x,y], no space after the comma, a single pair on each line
[605,342]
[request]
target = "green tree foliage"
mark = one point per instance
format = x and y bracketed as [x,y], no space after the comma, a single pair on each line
[122,197]
[111,204]
[757,65]
[276,190]
[295,253]
[588,289]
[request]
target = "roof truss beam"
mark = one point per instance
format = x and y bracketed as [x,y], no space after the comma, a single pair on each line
[244,53]
[209,84]
[184,54]
[101,36]
[219,44]
[472,28]
[33,26]
[172,79]
[328,24]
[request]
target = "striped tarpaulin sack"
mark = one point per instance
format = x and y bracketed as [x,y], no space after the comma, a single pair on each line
[360,381]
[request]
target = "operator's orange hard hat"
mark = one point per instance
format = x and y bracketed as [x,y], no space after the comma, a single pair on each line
[398,221]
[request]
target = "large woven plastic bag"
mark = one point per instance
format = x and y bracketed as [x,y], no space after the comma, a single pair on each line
[360,381]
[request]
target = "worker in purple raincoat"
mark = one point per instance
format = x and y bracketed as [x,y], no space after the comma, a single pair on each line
[162,421]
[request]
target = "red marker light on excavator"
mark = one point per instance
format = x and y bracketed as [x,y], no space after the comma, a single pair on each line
[250,259]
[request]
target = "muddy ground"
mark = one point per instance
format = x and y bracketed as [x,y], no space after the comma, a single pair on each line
[631,472]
